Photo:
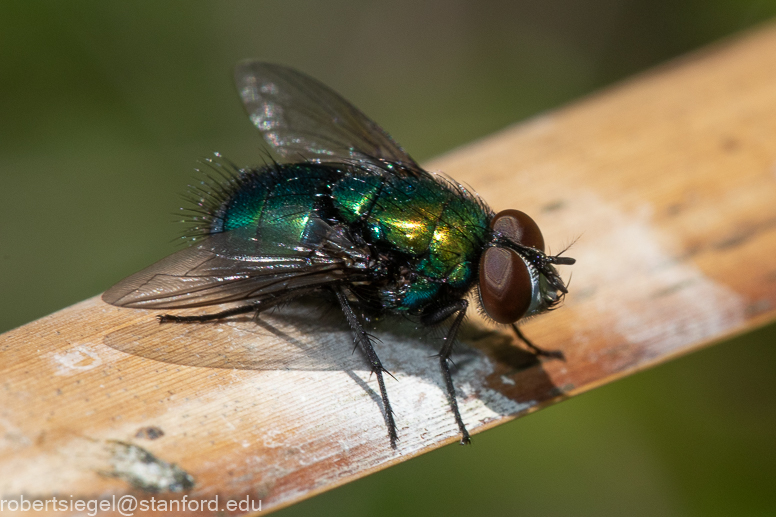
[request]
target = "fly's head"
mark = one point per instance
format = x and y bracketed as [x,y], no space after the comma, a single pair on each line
[517,278]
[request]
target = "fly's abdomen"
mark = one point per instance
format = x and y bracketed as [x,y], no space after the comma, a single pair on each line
[354,196]
[282,198]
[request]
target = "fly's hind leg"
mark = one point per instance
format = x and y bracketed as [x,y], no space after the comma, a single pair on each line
[363,340]
[459,309]
[257,307]
[554,354]
[203,318]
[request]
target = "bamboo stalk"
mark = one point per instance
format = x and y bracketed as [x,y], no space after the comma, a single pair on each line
[667,187]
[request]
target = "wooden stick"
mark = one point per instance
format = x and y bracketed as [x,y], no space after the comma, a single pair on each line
[666,185]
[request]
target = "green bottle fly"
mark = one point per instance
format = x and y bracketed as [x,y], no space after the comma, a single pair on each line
[355,217]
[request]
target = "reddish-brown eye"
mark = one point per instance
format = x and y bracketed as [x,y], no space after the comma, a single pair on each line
[505,285]
[519,227]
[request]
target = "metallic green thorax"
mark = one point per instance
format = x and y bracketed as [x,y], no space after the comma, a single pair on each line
[434,229]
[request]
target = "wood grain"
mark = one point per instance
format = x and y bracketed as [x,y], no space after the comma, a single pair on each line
[665,184]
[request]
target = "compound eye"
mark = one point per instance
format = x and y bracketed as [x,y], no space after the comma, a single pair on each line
[519,227]
[506,288]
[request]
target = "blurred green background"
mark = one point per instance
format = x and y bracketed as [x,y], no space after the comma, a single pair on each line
[104,108]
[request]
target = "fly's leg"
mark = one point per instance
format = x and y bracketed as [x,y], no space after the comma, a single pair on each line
[257,307]
[554,354]
[459,309]
[202,318]
[362,338]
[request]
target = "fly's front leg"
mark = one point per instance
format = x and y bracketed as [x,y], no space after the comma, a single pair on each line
[554,354]
[362,339]
[458,308]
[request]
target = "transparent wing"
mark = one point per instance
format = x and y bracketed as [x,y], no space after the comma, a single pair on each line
[243,264]
[302,118]
[304,335]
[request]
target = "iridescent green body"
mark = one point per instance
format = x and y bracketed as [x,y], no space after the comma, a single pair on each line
[427,232]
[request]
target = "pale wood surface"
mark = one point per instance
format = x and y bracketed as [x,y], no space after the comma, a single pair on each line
[668,183]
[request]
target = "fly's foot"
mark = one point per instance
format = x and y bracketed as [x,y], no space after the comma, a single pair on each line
[540,352]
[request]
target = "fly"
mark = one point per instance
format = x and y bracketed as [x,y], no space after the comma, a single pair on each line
[353,215]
